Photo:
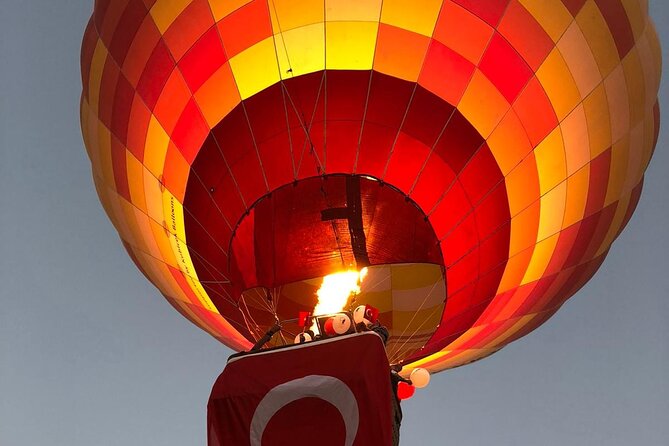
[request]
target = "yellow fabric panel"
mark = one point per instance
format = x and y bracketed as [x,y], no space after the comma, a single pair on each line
[382,300]
[165,12]
[135,230]
[551,161]
[134,225]
[616,223]
[416,323]
[161,235]
[508,331]
[218,95]
[541,256]
[427,362]
[656,50]
[104,155]
[576,140]
[353,10]
[520,185]
[153,194]
[95,77]
[149,264]
[135,173]
[649,66]
[350,45]
[144,225]
[646,143]
[400,53]
[635,160]
[289,14]
[255,68]
[412,276]
[552,15]
[555,77]
[411,330]
[636,88]
[515,270]
[465,337]
[200,292]
[301,50]
[580,61]
[619,108]
[596,108]
[618,170]
[418,16]
[420,298]
[509,142]
[155,150]
[482,104]
[141,227]
[636,15]
[89,126]
[171,287]
[118,215]
[222,8]
[173,210]
[577,195]
[176,177]
[101,189]
[599,37]
[524,228]
[378,279]
[552,211]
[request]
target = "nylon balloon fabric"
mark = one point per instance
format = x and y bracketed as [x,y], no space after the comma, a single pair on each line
[478,158]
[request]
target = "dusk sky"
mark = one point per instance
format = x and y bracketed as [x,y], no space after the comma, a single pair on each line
[91,354]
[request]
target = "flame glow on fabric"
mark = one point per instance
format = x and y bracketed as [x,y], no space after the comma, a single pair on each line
[479,158]
[336,290]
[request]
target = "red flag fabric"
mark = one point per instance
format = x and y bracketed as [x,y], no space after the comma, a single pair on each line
[371,313]
[330,393]
[304,319]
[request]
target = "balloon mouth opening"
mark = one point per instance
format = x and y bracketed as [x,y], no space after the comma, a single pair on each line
[408,299]
[382,173]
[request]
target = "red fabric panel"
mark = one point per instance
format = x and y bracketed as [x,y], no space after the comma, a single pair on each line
[426,117]
[574,6]
[188,27]
[132,18]
[202,60]
[459,142]
[87,50]
[600,169]
[305,383]
[619,24]
[124,95]
[190,131]
[118,154]
[235,31]
[505,68]
[489,10]
[155,75]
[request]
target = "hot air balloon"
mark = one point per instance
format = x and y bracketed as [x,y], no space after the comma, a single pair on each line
[478,158]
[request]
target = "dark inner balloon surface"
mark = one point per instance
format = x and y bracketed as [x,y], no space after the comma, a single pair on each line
[341,161]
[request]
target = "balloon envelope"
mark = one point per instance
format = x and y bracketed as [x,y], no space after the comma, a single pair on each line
[478,157]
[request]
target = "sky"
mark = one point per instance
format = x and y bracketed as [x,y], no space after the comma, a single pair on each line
[91,354]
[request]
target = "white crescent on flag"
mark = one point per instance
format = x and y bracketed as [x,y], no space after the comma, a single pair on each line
[326,388]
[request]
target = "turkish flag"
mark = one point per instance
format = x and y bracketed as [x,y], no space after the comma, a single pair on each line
[334,392]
